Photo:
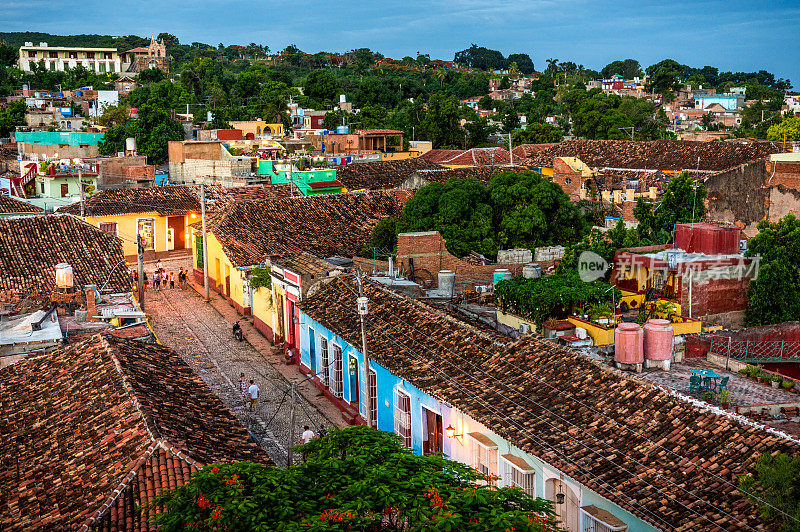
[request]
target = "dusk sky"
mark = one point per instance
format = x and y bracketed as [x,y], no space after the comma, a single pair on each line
[733,35]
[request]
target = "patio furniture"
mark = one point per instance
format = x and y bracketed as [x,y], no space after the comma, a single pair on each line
[694,384]
[721,386]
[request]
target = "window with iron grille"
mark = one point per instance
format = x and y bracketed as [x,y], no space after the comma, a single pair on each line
[402,416]
[515,473]
[373,396]
[326,368]
[484,458]
[109,227]
[338,376]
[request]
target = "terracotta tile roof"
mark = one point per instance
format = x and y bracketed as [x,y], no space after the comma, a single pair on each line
[646,449]
[31,246]
[481,173]
[94,428]
[527,150]
[9,205]
[305,263]
[473,157]
[164,200]
[672,155]
[324,225]
[382,174]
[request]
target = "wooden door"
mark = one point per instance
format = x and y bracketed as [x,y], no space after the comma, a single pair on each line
[312,351]
[177,224]
[432,441]
[64,190]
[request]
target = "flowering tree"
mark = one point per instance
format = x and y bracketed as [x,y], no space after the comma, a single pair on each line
[352,479]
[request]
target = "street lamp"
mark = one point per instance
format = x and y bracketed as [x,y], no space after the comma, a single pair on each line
[451,432]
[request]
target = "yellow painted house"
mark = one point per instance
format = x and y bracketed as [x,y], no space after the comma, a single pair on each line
[161,215]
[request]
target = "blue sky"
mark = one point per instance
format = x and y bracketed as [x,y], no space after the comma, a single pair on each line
[732,35]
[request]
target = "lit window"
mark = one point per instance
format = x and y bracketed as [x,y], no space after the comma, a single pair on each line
[516,472]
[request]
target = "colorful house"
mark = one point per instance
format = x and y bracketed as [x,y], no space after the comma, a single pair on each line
[159,214]
[307,182]
[528,413]
[251,234]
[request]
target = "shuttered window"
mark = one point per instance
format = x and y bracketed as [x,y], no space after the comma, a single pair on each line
[402,416]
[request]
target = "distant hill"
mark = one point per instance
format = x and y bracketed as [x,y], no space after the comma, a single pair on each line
[19,38]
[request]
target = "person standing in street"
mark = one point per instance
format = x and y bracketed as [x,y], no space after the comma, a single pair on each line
[158,265]
[308,434]
[243,385]
[172,280]
[156,280]
[253,392]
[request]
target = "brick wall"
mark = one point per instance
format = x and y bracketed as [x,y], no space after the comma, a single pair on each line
[139,173]
[567,178]
[786,173]
[627,211]
[428,252]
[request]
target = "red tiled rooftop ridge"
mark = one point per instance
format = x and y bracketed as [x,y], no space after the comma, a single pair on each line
[9,205]
[381,174]
[95,427]
[324,225]
[648,450]
[31,246]
[672,155]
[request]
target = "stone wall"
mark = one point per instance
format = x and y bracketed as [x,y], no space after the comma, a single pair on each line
[738,196]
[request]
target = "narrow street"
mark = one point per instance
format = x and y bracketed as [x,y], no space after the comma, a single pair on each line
[201,333]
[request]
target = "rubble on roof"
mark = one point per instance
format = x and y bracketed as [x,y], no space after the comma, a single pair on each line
[650,451]
[31,246]
[329,224]
[381,174]
[98,427]
[668,155]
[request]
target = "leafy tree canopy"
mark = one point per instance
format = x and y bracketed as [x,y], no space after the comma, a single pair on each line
[322,85]
[537,133]
[153,130]
[774,489]
[774,296]
[480,57]
[788,129]
[352,479]
[683,201]
[11,116]
[627,68]
[523,62]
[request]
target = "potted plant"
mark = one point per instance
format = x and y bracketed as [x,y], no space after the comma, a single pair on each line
[708,396]
[724,398]
[744,371]
[775,381]
[787,385]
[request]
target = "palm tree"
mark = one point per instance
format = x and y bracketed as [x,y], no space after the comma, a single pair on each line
[552,66]
[513,70]
[440,74]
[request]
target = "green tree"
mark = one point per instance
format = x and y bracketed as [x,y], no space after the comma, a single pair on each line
[524,63]
[168,39]
[153,130]
[479,129]
[683,201]
[627,68]
[774,296]
[486,103]
[788,129]
[442,120]
[537,133]
[11,116]
[383,238]
[322,86]
[774,489]
[352,479]
[481,58]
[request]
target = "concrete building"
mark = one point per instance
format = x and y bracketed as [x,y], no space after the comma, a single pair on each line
[60,58]
[208,162]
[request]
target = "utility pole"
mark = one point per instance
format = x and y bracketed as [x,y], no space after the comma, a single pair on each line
[510,152]
[140,264]
[82,193]
[205,243]
[289,453]
[291,177]
[363,310]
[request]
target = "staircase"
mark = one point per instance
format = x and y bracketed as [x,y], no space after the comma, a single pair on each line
[18,184]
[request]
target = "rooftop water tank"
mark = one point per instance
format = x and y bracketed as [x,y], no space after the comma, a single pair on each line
[629,344]
[658,339]
[501,274]
[130,144]
[531,271]
[447,283]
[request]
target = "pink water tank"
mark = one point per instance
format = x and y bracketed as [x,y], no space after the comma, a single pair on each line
[658,340]
[629,344]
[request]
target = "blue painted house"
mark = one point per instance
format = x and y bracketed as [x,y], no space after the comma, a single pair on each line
[613,452]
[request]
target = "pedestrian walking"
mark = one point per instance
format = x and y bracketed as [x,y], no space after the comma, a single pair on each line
[181,278]
[156,280]
[158,265]
[243,385]
[144,279]
[163,278]
[172,280]
[308,434]
[253,392]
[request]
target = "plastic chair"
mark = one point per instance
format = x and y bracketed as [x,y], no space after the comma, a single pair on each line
[694,383]
[723,383]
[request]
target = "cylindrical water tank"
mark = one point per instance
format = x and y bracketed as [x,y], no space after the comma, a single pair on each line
[130,144]
[531,271]
[629,344]
[64,275]
[501,274]
[658,340]
[447,283]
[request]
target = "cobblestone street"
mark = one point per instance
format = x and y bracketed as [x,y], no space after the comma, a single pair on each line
[201,333]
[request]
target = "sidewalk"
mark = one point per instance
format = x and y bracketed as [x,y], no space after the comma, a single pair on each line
[274,357]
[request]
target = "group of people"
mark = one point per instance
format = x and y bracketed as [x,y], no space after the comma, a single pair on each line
[161,278]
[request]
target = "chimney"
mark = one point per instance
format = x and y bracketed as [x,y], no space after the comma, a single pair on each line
[91,305]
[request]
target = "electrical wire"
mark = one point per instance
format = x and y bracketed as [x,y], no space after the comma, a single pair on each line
[572,437]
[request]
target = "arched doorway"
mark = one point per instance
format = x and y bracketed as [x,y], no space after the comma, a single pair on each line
[568,512]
